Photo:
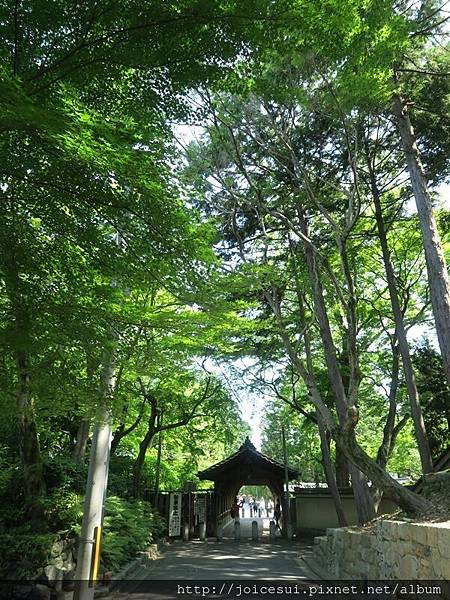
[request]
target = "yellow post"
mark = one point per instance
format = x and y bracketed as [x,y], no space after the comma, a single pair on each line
[96,555]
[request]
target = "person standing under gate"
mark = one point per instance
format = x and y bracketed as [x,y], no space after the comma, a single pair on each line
[277,514]
[250,503]
[255,508]
[269,507]
[262,507]
[234,510]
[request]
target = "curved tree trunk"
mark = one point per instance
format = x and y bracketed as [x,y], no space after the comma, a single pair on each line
[145,444]
[345,439]
[408,501]
[400,332]
[329,473]
[344,435]
[363,498]
[436,266]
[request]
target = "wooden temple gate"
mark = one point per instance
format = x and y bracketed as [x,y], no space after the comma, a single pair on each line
[246,466]
[186,509]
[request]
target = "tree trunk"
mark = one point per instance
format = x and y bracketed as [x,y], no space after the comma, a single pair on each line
[122,431]
[436,267]
[342,470]
[341,463]
[28,440]
[79,450]
[408,501]
[30,452]
[145,444]
[386,445]
[400,332]
[345,439]
[364,502]
[328,471]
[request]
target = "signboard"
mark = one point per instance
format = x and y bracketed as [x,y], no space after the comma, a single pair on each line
[200,509]
[175,514]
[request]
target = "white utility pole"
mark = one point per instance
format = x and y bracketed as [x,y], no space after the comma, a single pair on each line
[88,558]
[91,529]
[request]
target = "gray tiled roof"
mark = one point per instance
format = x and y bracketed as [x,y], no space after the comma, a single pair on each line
[247,450]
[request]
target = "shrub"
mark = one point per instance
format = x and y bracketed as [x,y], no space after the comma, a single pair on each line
[24,554]
[64,510]
[129,526]
[64,471]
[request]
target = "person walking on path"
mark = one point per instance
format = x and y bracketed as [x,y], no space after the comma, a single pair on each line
[255,508]
[269,507]
[277,515]
[262,507]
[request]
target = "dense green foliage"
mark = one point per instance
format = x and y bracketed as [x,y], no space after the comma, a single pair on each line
[283,234]
[435,395]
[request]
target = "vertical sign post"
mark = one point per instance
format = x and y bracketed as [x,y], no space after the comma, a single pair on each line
[175,514]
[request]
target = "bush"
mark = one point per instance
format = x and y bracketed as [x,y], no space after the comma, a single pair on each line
[64,471]
[64,510]
[120,475]
[129,527]
[23,554]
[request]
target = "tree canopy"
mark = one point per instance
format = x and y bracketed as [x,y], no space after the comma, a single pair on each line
[294,237]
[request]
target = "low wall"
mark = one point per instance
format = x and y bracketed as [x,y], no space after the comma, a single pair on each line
[314,509]
[392,550]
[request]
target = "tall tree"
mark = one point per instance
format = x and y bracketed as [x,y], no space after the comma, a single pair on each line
[267,189]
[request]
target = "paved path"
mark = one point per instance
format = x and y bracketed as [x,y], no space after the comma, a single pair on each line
[196,561]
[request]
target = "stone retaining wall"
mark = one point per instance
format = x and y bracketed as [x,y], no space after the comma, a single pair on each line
[61,564]
[393,550]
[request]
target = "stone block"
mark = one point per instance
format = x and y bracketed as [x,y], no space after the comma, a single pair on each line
[333,567]
[419,533]
[442,568]
[443,541]
[405,532]
[317,540]
[57,548]
[64,595]
[367,540]
[389,530]
[408,567]
[361,569]
[332,532]
[41,592]
[432,536]
[54,576]
[426,570]
[391,557]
